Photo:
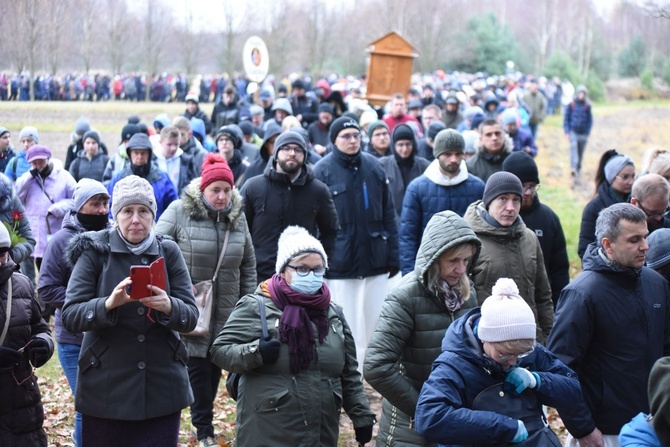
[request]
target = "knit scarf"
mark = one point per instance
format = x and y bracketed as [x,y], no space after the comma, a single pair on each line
[138,249]
[299,311]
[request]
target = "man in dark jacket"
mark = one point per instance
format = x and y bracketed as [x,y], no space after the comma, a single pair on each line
[287,194]
[577,122]
[228,143]
[226,111]
[445,185]
[542,220]
[366,249]
[612,321]
[6,152]
[194,111]
[380,139]
[318,130]
[188,143]
[490,151]
[404,165]
[90,213]
[267,150]
[304,107]
[651,194]
[452,117]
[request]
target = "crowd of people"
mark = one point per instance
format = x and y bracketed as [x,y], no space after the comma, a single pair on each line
[407,246]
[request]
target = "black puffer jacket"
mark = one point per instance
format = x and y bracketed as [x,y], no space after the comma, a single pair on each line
[605,197]
[21,411]
[272,202]
[611,325]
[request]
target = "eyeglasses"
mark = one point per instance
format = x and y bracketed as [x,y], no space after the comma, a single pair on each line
[350,136]
[508,357]
[654,215]
[294,149]
[302,270]
[531,188]
[225,140]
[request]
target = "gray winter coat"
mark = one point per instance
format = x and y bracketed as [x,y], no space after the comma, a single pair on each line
[512,252]
[200,233]
[130,368]
[276,407]
[409,334]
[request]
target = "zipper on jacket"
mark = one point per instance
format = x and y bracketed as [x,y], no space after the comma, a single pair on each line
[302,409]
[366,199]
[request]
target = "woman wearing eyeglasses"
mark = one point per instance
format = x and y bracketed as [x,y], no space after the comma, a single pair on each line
[489,383]
[614,181]
[296,381]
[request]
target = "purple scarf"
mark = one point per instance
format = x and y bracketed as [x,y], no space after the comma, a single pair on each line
[300,310]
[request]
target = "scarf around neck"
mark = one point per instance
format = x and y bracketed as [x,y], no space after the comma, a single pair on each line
[299,311]
[138,249]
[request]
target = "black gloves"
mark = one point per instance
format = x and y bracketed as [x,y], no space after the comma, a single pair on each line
[269,350]
[393,270]
[363,434]
[8,357]
[39,351]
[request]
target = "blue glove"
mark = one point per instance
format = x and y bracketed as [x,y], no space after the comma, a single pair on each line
[520,379]
[521,434]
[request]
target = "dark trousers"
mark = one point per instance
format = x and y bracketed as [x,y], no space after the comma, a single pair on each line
[204,377]
[156,432]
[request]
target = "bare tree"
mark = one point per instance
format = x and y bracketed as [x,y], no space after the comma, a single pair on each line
[87,13]
[55,32]
[116,33]
[190,42]
[234,19]
[29,17]
[155,28]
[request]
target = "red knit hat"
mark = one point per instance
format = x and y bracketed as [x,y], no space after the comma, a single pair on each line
[215,168]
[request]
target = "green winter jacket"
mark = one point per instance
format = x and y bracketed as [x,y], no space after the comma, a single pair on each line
[512,252]
[409,333]
[200,233]
[276,407]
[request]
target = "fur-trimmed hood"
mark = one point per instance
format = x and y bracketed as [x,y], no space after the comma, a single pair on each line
[97,241]
[196,208]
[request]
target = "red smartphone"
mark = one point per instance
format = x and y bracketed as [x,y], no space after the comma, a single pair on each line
[147,275]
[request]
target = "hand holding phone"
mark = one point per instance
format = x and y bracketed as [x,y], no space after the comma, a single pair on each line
[143,276]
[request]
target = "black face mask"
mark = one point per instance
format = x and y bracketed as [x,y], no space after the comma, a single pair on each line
[141,171]
[93,222]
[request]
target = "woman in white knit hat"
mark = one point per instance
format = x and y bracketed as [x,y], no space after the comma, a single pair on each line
[492,378]
[297,379]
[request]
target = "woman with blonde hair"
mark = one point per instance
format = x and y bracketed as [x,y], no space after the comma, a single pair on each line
[413,320]
[656,161]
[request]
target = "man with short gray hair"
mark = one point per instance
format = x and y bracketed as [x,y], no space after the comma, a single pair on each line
[651,194]
[612,324]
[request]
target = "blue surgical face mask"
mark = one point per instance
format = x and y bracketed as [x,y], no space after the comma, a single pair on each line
[309,284]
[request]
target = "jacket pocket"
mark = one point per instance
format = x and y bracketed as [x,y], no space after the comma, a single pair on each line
[378,249]
[336,386]
[338,192]
[92,356]
[180,351]
[273,402]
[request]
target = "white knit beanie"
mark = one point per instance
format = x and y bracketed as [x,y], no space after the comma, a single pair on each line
[293,241]
[5,240]
[505,315]
[133,190]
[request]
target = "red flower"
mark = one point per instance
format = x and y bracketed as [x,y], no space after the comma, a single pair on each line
[16,215]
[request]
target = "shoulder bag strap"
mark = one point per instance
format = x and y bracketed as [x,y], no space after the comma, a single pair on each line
[264,321]
[223,252]
[9,311]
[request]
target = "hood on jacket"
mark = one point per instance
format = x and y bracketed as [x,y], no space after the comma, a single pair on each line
[97,241]
[480,226]
[490,98]
[272,130]
[445,230]
[7,193]
[593,261]
[196,208]
[461,340]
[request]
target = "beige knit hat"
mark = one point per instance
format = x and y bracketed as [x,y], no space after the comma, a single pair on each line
[133,190]
[296,240]
[505,315]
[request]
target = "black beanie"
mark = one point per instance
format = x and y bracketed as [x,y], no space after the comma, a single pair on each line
[325,107]
[403,132]
[343,122]
[523,166]
[92,134]
[501,183]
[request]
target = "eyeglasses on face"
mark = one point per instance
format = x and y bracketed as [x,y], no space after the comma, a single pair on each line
[294,149]
[302,270]
[655,214]
[508,357]
[531,187]
[350,136]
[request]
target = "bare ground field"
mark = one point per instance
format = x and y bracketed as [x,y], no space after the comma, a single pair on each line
[630,128]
